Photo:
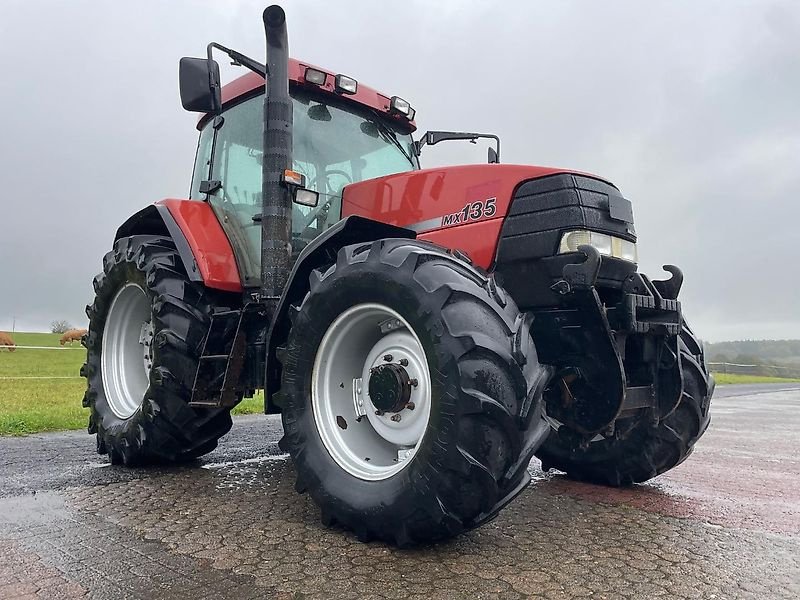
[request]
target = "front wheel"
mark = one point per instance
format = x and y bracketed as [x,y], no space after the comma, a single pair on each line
[646,450]
[411,393]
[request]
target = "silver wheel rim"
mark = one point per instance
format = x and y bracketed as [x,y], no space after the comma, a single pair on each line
[127,354]
[365,442]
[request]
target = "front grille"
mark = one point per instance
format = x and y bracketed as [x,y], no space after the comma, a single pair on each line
[544,208]
[541,210]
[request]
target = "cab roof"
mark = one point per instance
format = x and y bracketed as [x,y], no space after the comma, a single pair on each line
[249,84]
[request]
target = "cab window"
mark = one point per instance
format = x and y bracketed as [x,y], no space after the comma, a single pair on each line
[333,145]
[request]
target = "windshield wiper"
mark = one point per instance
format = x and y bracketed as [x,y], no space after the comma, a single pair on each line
[390,136]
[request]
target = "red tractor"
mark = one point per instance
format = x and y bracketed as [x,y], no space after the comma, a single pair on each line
[422,332]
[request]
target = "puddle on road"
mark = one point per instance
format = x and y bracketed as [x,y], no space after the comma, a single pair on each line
[696,491]
[245,473]
[660,496]
[34,509]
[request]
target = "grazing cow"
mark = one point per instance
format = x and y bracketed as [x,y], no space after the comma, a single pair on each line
[73,335]
[7,340]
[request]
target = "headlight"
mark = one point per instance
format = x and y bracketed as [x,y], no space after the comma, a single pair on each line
[604,243]
[399,106]
[315,76]
[345,85]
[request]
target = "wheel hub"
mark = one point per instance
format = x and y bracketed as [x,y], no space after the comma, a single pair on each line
[389,388]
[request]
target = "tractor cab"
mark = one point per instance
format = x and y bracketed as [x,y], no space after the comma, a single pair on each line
[338,139]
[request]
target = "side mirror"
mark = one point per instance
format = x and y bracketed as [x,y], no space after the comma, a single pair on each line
[200,85]
[305,197]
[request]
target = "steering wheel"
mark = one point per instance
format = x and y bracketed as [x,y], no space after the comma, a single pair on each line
[340,173]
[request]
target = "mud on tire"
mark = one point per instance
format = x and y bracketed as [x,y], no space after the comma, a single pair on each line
[648,450]
[486,389]
[163,428]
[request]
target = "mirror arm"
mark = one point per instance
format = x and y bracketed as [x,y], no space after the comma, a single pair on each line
[497,141]
[239,59]
[217,124]
[431,138]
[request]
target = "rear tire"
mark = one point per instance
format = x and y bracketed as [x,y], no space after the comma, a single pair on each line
[138,390]
[647,450]
[484,400]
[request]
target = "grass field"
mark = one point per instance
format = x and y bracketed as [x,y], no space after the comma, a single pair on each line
[52,403]
[731,378]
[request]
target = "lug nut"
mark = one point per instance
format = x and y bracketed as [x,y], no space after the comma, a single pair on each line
[410,406]
[379,413]
[388,358]
[396,417]
[413,382]
[403,362]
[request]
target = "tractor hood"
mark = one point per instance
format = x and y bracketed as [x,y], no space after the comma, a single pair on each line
[446,205]
[432,199]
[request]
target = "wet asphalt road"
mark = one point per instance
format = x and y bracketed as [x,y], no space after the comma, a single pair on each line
[725,524]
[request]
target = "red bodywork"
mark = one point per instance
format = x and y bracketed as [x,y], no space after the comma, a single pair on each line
[418,199]
[210,246]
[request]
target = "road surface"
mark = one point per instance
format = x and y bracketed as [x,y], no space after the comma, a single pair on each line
[725,524]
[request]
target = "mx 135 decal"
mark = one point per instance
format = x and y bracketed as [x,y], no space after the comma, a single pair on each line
[472,211]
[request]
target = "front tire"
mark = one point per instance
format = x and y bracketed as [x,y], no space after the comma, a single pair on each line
[386,314]
[647,450]
[147,325]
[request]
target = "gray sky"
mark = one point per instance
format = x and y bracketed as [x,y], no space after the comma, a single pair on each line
[691,108]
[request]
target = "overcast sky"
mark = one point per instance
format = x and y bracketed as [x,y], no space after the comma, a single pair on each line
[691,108]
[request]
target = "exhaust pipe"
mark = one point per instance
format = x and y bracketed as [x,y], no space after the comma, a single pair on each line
[276,202]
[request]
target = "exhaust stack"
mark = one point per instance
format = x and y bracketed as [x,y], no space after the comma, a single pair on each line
[276,203]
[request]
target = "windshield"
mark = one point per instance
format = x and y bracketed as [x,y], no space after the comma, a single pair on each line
[334,145]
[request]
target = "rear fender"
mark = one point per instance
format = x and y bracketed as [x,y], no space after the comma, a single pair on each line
[200,240]
[319,253]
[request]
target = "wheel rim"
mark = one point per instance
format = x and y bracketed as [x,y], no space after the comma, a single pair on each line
[127,354]
[368,442]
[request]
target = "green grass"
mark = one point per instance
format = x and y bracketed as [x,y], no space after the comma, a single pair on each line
[250,406]
[36,405]
[731,378]
[62,362]
[41,405]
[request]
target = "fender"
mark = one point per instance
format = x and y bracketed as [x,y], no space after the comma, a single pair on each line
[320,252]
[200,240]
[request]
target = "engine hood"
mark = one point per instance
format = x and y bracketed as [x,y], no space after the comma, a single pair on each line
[433,199]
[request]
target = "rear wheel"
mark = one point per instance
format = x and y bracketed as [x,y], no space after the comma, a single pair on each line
[146,329]
[411,393]
[645,450]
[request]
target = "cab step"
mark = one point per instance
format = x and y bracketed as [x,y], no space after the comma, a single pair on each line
[218,382]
